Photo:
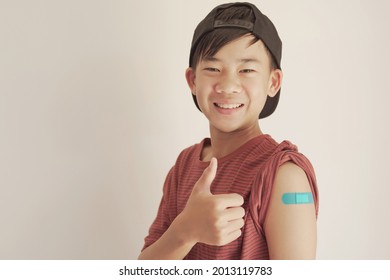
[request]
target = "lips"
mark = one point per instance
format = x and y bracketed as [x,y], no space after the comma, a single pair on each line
[228,106]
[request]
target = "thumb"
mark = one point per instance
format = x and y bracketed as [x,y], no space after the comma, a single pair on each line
[204,182]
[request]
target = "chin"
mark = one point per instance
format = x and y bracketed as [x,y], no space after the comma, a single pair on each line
[227,128]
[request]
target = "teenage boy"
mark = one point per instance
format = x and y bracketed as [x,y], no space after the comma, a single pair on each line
[238,194]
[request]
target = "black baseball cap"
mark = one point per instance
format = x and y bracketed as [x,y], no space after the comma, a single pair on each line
[261,27]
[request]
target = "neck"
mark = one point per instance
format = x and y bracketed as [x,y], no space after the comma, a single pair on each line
[224,143]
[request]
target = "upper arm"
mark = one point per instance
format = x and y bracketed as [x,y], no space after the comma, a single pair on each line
[290,229]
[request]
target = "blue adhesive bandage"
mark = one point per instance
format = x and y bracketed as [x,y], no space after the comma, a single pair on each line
[297,198]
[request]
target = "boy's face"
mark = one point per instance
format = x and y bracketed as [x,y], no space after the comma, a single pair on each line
[231,87]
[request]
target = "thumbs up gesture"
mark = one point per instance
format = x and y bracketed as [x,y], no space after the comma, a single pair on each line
[212,219]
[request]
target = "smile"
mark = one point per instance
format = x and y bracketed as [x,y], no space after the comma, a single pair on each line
[229,106]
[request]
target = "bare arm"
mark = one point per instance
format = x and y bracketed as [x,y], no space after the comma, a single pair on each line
[172,245]
[207,218]
[290,228]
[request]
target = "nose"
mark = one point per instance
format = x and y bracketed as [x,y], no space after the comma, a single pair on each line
[228,83]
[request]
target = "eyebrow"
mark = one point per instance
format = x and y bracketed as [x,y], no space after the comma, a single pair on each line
[242,60]
[245,60]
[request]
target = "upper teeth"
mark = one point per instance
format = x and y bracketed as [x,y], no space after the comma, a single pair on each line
[228,106]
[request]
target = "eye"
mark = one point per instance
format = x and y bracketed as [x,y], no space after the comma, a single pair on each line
[247,71]
[211,69]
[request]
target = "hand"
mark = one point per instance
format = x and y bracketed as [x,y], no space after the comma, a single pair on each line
[212,219]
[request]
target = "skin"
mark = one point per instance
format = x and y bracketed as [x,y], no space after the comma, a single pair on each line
[239,73]
[290,230]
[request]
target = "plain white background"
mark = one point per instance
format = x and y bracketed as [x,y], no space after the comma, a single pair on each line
[94,110]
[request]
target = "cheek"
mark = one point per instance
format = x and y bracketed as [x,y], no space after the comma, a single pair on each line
[257,88]
[204,86]
[258,95]
[201,94]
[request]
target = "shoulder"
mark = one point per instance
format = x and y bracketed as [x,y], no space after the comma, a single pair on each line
[269,150]
[181,167]
[258,151]
[291,171]
[187,158]
[278,160]
[290,176]
[193,151]
[188,154]
[287,162]
[271,155]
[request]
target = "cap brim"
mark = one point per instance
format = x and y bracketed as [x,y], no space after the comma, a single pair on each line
[270,105]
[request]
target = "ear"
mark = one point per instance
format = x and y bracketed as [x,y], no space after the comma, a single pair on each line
[275,82]
[190,77]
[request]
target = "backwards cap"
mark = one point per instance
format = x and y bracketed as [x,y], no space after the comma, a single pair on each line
[261,27]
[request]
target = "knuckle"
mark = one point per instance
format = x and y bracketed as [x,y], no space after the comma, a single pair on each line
[216,220]
[215,204]
[219,237]
[238,198]
[216,224]
[238,224]
[220,241]
[219,221]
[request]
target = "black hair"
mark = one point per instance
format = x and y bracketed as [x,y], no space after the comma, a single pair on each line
[213,41]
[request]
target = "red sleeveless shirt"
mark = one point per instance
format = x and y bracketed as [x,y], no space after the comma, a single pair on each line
[249,171]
